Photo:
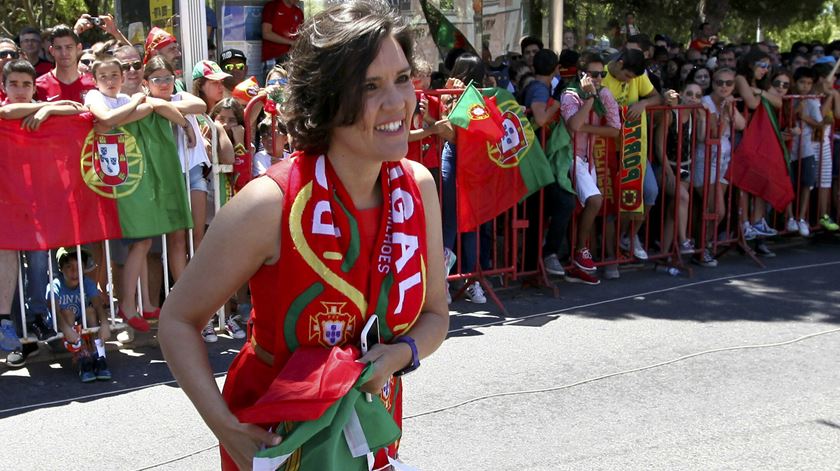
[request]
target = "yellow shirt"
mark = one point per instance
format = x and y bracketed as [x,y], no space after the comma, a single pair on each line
[627,93]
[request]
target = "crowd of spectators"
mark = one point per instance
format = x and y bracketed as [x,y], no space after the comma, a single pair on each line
[590,87]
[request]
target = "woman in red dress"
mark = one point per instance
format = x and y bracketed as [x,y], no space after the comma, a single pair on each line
[344,229]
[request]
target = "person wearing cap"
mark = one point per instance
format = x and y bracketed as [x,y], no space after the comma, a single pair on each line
[65,289]
[160,42]
[280,22]
[234,62]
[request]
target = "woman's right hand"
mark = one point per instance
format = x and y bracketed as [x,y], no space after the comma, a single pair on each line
[243,441]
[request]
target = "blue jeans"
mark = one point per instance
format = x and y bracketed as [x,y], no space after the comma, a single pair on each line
[450,212]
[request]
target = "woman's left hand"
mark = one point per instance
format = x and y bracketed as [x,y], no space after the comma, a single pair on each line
[386,360]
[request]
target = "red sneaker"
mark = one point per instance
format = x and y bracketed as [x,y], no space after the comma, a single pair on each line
[576,275]
[583,260]
[152,314]
[136,322]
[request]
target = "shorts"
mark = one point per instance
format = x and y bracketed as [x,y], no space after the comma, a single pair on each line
[586,180]
[803,173]
[197,180]
[823,162]
[698,173]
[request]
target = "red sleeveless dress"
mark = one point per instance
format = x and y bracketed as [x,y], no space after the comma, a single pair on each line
[304,301]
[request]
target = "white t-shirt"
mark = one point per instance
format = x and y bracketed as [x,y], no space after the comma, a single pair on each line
[95,96]
[262,161]
[190,157]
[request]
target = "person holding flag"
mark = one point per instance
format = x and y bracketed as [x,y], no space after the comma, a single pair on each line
[349,228]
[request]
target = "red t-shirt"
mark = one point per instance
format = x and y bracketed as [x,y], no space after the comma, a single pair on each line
[49,88]
[284,21]
[42,67]
[426,150]
[699,44]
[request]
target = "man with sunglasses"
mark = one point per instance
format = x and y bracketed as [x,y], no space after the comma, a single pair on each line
[64,82]
[234,62]
[8,53]
[132,67]
[30,43]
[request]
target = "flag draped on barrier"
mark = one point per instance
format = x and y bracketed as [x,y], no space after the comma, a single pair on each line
[65,184]
[759,163]
[494,174]
[633,162]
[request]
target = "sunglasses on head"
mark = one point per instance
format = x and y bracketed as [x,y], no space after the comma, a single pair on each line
[9,54]
[597,73]
[88,62]
[136,65]
[230,67]
[762,65]
[780,84]
[721,83]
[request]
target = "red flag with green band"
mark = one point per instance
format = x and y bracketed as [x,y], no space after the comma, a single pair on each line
[65,184]
[476,117]
[445,35]
[492,176]
[759,163]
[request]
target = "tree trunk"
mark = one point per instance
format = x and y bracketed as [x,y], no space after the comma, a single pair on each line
[714,12]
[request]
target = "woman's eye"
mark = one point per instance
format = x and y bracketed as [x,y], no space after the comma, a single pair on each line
[403,78]
[370,87]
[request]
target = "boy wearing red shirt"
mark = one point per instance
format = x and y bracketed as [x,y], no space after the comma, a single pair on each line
[64,82]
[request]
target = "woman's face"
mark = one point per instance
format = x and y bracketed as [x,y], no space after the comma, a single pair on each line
[760,68]
[381,131]
[214,91]
[161,83]
[85,62]
[723,84]
[702,78]
[685,70]
[781,84]
[227,118]
[691,95]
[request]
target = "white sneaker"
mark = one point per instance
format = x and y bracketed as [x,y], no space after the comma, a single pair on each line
[209,333]
[791,225]
[611,272]
[687,247]
[233,329]
[638,249]
[749,231]
[126,336]
[475,294]
[804,230]
[449,259]
[553,265]
[763,229]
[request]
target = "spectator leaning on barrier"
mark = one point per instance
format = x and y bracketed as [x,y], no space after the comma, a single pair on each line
[64,82]
[830,108]
[589,110]
[30,42]
[804,149]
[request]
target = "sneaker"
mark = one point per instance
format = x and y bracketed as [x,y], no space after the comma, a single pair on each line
[86,373]
[705,259]
[100,369]
[583,260]
[475,293]
[750,233]
[233,329]
[611,272]
[763,229]
[449,259]
[41,329]
[553,266]
[126,336]
[687,247]
[576,275]
[791,225]
[804,230]
[764,251]
[17,359]
[209,333]
[9,340]
[828,224]
[638,249]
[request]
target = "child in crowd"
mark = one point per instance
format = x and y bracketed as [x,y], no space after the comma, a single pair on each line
[66,290]
[824,85]
[804,149]
[231,116]
[589,110]
[159,78]
[111,110]
[724,118]
[273,146]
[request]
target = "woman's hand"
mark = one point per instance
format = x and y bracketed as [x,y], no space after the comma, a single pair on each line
[386,360]
[243,441]
[672,98]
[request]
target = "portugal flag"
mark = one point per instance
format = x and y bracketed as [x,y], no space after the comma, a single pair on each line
[445,35]
[494,174]
[65,184]
[759,163]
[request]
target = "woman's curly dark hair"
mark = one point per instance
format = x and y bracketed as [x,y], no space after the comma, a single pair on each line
[328,67]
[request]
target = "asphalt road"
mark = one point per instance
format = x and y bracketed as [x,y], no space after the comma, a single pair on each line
[733,368]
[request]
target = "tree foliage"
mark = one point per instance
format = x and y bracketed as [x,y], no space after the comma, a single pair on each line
[15,14]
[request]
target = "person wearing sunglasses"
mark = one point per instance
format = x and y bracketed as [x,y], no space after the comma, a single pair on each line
[235,63]
[86,61]
[8,53]
[64,82]
[132,67]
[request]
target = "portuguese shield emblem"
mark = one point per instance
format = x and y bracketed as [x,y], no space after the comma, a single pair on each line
[112,164]
[109,159]
[332,327]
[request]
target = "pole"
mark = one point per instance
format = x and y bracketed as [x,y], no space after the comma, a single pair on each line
[193,23]
[556,28]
